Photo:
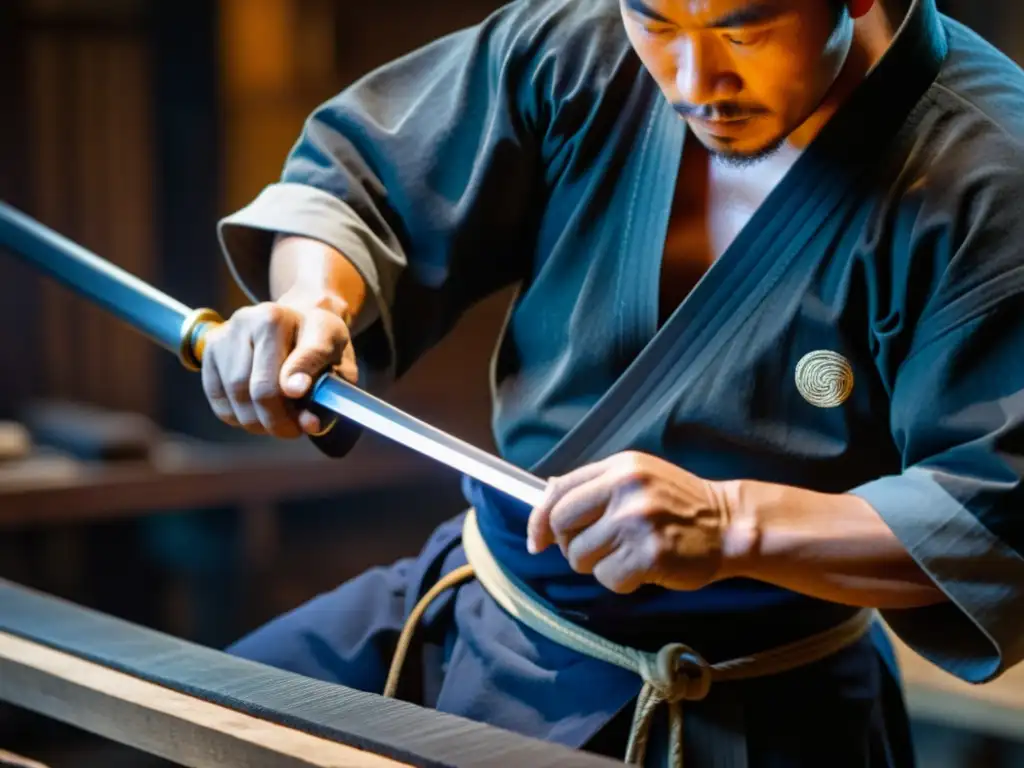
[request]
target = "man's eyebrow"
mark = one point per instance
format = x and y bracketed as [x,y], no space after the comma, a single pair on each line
[754,13]
[641,8]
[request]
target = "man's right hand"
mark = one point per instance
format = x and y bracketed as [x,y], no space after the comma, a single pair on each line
[268,355]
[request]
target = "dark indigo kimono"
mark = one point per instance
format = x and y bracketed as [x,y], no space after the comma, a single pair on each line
[534,149]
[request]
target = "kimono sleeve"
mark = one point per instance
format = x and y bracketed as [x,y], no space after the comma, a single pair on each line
[957,416]
[423,174]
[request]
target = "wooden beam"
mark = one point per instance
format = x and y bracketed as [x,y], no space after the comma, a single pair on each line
[51,490]
[200,707]
[125,708]
[157,720]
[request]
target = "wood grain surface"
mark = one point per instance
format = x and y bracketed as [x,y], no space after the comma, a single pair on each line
[157,720]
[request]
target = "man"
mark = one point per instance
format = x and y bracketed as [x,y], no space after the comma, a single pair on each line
[766,346]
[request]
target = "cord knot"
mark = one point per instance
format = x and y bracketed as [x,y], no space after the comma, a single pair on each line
[677,673]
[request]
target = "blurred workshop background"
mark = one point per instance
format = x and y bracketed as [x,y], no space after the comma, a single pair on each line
[131,126]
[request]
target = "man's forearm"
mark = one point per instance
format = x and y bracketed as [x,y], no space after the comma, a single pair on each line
[831,546]
[306,271]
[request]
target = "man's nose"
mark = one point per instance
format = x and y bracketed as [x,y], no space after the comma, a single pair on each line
[702,76]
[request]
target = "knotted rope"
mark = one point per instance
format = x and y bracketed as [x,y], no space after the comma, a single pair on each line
[674,675]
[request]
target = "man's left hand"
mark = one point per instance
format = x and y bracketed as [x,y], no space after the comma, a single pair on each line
[634,519]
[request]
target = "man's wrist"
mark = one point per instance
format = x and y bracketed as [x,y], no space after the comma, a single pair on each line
[309,274]
[742,529]
[305,299]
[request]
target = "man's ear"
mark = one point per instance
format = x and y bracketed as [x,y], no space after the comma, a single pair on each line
[859,8]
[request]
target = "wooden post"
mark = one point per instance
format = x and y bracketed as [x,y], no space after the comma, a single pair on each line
[87,111]
[20,353]
[188,186]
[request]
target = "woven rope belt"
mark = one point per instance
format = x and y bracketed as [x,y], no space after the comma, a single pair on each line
[675,674]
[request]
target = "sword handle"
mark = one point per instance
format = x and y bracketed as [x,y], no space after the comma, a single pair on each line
[192,344]
[194,328]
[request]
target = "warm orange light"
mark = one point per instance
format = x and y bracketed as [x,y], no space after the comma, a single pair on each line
[258,38]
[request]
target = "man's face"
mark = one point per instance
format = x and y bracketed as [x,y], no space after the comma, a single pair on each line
[743,73]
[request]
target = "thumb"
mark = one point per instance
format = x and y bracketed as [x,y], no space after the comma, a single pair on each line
[539,535]
[318,347]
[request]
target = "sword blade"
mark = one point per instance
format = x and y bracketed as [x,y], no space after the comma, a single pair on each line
[162,319]
[147,310]
[340,397]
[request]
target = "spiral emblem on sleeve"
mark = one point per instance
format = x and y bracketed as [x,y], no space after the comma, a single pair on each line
[824,378]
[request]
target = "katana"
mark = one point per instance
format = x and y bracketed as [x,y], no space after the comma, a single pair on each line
[182,330]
